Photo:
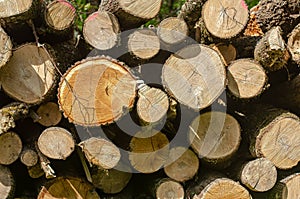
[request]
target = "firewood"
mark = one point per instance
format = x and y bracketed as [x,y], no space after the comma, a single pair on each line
[111,80]
[101,152]
[10,147]
[149,151]
[35,171]
[168,189]
[287,188]
[132,14]
[246,78]
[5,47]
[172,30]
[215,137]
[227,52]
[49,114]
[68,187]
[182,164]
[7,182]
[101,30]
[194,76]
[28,157]
[271,50]
[30,75]
[294,44]
[56,143]
[225,19]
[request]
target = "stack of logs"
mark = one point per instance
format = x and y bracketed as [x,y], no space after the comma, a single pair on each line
[205,105]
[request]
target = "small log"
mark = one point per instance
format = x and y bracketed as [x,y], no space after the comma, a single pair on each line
[143,43]
[7,183]
[10,147]
[56,143]
[182,164]
[194,76]
[259,175]
[60,15]
[29,157]
[215,137]
[149,151]
[132,14]
[5,47]
[172,30]
[246,79]
[35,171]
[169,189]
[225,19]
[68,187]
[270,51]
[226,51]
[152,104]
[101,152]
[49,114]
[110,181]
[114,85]
[101,30]
[294,44]
[30,75]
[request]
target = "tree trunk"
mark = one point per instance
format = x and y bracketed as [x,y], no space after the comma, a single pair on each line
[10,147]
[49,114]
[5,47]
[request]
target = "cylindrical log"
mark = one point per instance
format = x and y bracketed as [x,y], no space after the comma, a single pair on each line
[7,182]
[294,44]
[143,43]
[60,15]
[215,137]
[172,30]
[169,189]
[35,171]
[5,47]
[182,164]
[10,147]
[101,152]
[226,51]
[96,91]
[56,143]
[68,187]
[271,50]
[246,79]
[132,14]
[258,175]
[101,30]
[194,76]
[152,104]
[149,151]
[225,19]
[30,75]
[49,114]
[29,157]
[287,188]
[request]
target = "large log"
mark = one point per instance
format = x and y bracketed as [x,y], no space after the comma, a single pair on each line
[287,188]
[5,47]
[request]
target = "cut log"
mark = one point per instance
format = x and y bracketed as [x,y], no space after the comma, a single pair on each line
[143,43]
[270,51]
[96,91]
[7,182]
[182,164]
[246,79]
[226,51]
[169,189]
[259,175]
[56,143]
[152,104]
[101,30]
[172,30]
[68,187]
[49,114]
[294,44]
[110,181]
[149,151]
[132,13]
[35,171]
[60,15]
[274,134]
[16,10]
[29,157]
[291,186]
[215,137]
[10,147]
[225,19]
[30,75]
[101,152]
[5,47]
[194,76]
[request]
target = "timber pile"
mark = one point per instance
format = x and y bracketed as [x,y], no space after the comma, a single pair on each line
[220,121]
